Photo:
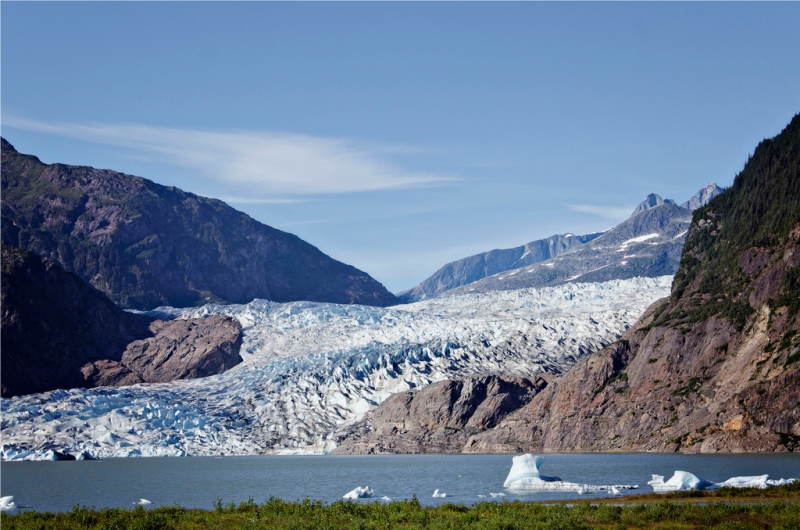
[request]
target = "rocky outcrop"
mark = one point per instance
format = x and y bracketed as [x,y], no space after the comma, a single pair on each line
[58,332]
[53,323]
[713,368]
[440,417]
[146,245]
[178,349]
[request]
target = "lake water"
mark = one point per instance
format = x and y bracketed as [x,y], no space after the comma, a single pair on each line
[200,481]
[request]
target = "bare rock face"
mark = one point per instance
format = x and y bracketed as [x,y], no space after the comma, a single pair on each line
[440,417]
[713,368]
[178,349]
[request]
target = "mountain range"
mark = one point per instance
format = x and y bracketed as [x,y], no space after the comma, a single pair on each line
[647,244]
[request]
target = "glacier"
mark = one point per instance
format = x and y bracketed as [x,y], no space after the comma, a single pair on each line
[310,371]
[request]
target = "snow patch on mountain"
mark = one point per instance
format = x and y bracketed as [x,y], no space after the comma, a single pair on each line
[311,370]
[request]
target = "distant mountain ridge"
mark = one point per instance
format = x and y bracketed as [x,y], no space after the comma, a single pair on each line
[146,245]
[514,268]
[648,244]
[474,268]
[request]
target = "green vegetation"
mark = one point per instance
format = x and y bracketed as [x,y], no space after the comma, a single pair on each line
[776,507]
[689,388]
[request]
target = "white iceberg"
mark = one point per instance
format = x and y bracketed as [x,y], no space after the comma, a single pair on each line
[525,472]
[525,475]
[359,493]
[437,495]
[144,502]
[680,481]
[7,503]
[760,482]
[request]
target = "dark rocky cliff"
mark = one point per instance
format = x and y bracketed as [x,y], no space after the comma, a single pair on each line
[714,367]
[146,245]
[58,332]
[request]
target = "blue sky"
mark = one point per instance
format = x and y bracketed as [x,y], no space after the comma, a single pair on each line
[399,136]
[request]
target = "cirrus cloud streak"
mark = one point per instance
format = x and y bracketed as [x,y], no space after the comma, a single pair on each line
[264,164]
[609,212]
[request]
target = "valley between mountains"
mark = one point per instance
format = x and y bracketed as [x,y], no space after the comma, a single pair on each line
[677,330]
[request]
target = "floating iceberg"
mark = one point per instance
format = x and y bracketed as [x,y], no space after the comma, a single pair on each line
[680,481]
[7,503]
[144,502]
[683,480]
[760,481]
[437,495]
[525,475]
[359,493]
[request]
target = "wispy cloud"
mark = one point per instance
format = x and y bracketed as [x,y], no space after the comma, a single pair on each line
[264,164]
[609,212]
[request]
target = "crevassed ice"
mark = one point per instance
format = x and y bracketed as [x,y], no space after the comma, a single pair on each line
[311,370]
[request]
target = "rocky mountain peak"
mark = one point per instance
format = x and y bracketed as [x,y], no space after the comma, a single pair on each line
[703,196]
[651,201]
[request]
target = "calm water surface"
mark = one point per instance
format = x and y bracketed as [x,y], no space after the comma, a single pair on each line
[200,481]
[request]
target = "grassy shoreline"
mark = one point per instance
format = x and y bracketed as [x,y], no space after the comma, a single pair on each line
[728,508]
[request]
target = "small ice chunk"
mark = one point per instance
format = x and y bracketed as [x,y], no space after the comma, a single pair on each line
[482,496]
[781,481]
[359,493]
[437,495]
[583,491]
[746,482]
[680,481]
[144,502]
[760,481]
[497,494]
[7,503]
[615,491]
[385,499]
